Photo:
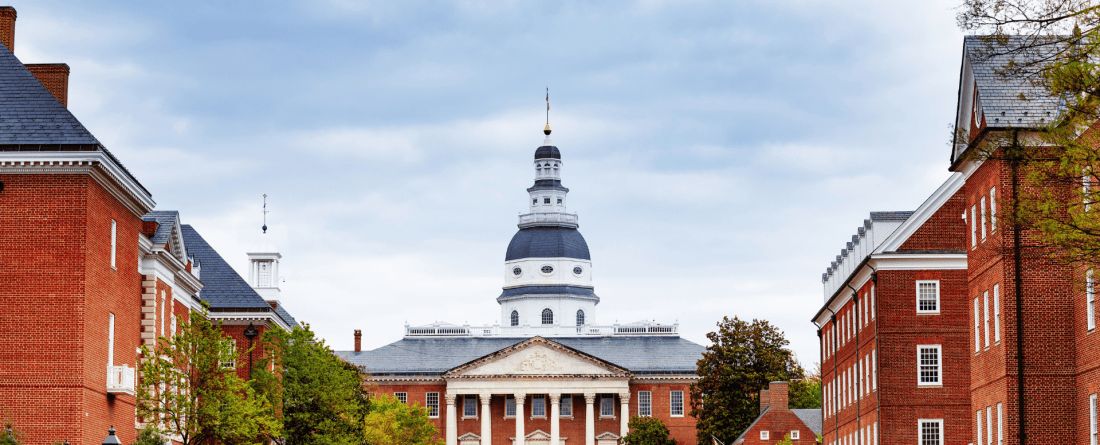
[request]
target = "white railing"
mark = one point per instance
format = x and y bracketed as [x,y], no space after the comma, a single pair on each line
[565,219]
[120,380]
[628,330]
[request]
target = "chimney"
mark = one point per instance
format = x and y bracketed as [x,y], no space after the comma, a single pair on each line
[358,340]
[274,304]
[53,76]
[765,399]
[777,392]
[7,27]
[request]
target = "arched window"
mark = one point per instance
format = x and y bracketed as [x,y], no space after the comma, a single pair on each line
[580,317]
[547,316]
[515,318]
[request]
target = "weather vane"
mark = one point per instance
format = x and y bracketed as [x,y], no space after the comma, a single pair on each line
[265,213]
[547,129]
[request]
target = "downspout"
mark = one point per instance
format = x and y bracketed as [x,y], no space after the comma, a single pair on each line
[855,307]
[1014,163]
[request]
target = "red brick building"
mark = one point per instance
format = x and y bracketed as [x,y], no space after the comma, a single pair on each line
[777,421]
[88,271]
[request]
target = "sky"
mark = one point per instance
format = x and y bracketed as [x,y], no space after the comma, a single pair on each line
[719,154]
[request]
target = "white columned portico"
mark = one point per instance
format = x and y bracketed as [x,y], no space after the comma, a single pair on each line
[486,419]
[452,420]
[555,411]
[520,413]
[624,413]
[590,418]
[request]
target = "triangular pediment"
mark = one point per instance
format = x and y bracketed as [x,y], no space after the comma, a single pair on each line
[537,356]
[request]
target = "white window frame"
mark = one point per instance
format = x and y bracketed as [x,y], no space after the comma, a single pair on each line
[977,327]
[509,404]
[645,404]
[876,432]
[1000,425]
[985,316]
[607,406]
[676,403]
[402,396]
[996,313]
[978,430]
[1090,301]
[927,311]
[872,302]
[989,425]
[939,365]
[536,405]
[110,339]
[114,242]
[982,221]
[794,434]
[874,370]
[974,226]
[469,402]
[764,435]
[992,209]
[433,408]
[920,430]
[565,406]
[1092,419]
[1086,187]
[233,355]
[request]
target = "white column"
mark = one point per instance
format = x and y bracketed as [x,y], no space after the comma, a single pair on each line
[555,412]
[590,419]
[486,419]
[520,413]
[624,413]
[452,420]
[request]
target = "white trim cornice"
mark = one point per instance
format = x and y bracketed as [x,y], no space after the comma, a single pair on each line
[97,164]
[922,261]
[240,318]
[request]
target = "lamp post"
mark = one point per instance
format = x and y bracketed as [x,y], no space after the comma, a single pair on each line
[111,439]
[250,332]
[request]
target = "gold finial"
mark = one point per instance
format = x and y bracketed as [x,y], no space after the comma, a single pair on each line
[547,129]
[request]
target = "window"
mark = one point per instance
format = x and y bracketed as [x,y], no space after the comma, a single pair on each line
[982,221]
[876,432]
[547,316]
[110,339]
[928,364]
[989,425]
[1090,301]
[1001,426]
[566,408]
[794,434]
[1086,186]
[469,406]
[580,317]
[974,226]
[577,270]
[978,430]
[996,313]
[431,401]
[863,308]
[265,274]
[517,271]
[559,201]
[538,405]
[763,435]
[402,396]
[607,406]
[546,200]
[515,318]
[231,360]
[547,269]
[985,315]
[977,328]
[114,239]
[534,201]
[930,431]
[676,400]
[992,209]
[872,302]
[874,372]
[1092,418]
[645,407]
[928,296]
[509,405]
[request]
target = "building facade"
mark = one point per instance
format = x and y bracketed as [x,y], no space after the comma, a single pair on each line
[549,373]
[777,422]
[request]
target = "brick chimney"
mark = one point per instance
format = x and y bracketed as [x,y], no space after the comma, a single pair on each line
[53,76]
[7,27]
[358,340]
[765,400]
[777,395]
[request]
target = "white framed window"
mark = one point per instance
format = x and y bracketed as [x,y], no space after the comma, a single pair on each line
[875,425]
[794,434]
[509,405]
[989,425]
[538,405]
[928,296]
[985,316]
[1092,418]
[982,221]
[872,301]
[469,406]
[607,406]
[515,318]
[1000,425]
[645,404]
[929,365]
[402,396]
[231,360]
[110,339]
[977,328]
[1090,301]
[566,408]
[764,435]
[992,209]
[996,313]
[874,371]
[867,374]
[431,401]
[114,241]
[676,403]
[978,430]
[863,302]
[547,316]
[930,431]
[974,226]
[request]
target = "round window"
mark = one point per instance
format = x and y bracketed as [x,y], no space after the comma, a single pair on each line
[577,270]
[517,271]
[547,269]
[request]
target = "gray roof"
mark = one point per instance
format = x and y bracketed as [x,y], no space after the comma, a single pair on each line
[582,292]
[222,287]
[999,95]
[166,220]
[547,152]
[811,417]
[547,242]
[434,356]
[29,114]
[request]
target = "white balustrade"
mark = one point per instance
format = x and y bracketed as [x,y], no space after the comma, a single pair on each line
[636,329]
[120,380]
[531,219]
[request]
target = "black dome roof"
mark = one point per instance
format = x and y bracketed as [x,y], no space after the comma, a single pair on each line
[547,152]
[547,242]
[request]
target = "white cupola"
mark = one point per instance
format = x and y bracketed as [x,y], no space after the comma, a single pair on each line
[263,264]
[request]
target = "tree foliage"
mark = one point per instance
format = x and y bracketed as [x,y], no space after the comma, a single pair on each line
[742,359]
[647,431]
[185,391]
[391,422]
[149,435]
[319,397]
[806,393]
[10,435]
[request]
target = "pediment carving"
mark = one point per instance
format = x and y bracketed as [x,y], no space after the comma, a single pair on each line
[537,356]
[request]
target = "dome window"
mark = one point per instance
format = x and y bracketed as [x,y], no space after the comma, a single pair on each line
[535,201]
[547,269]
[577,270]
[580,317]
[546,200]
[515,318]
[559,201]
[517,271]
[547,316]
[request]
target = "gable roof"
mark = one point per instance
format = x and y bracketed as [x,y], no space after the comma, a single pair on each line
[30,114]
[811,417]
[168,232]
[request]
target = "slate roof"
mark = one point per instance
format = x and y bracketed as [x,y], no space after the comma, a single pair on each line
[223,288]
[811,417]
[547,152]
[434,356]
[585,292]
[166,220]
[547,242]
[998,95]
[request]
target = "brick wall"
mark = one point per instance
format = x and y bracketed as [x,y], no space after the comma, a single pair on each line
[53,76]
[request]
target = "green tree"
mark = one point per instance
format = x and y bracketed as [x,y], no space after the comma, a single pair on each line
[187,391]
[149,435]
[391,422]
[742,359]
[319,397]
[786,440]
[10,435]
[806,393]
[647,431]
